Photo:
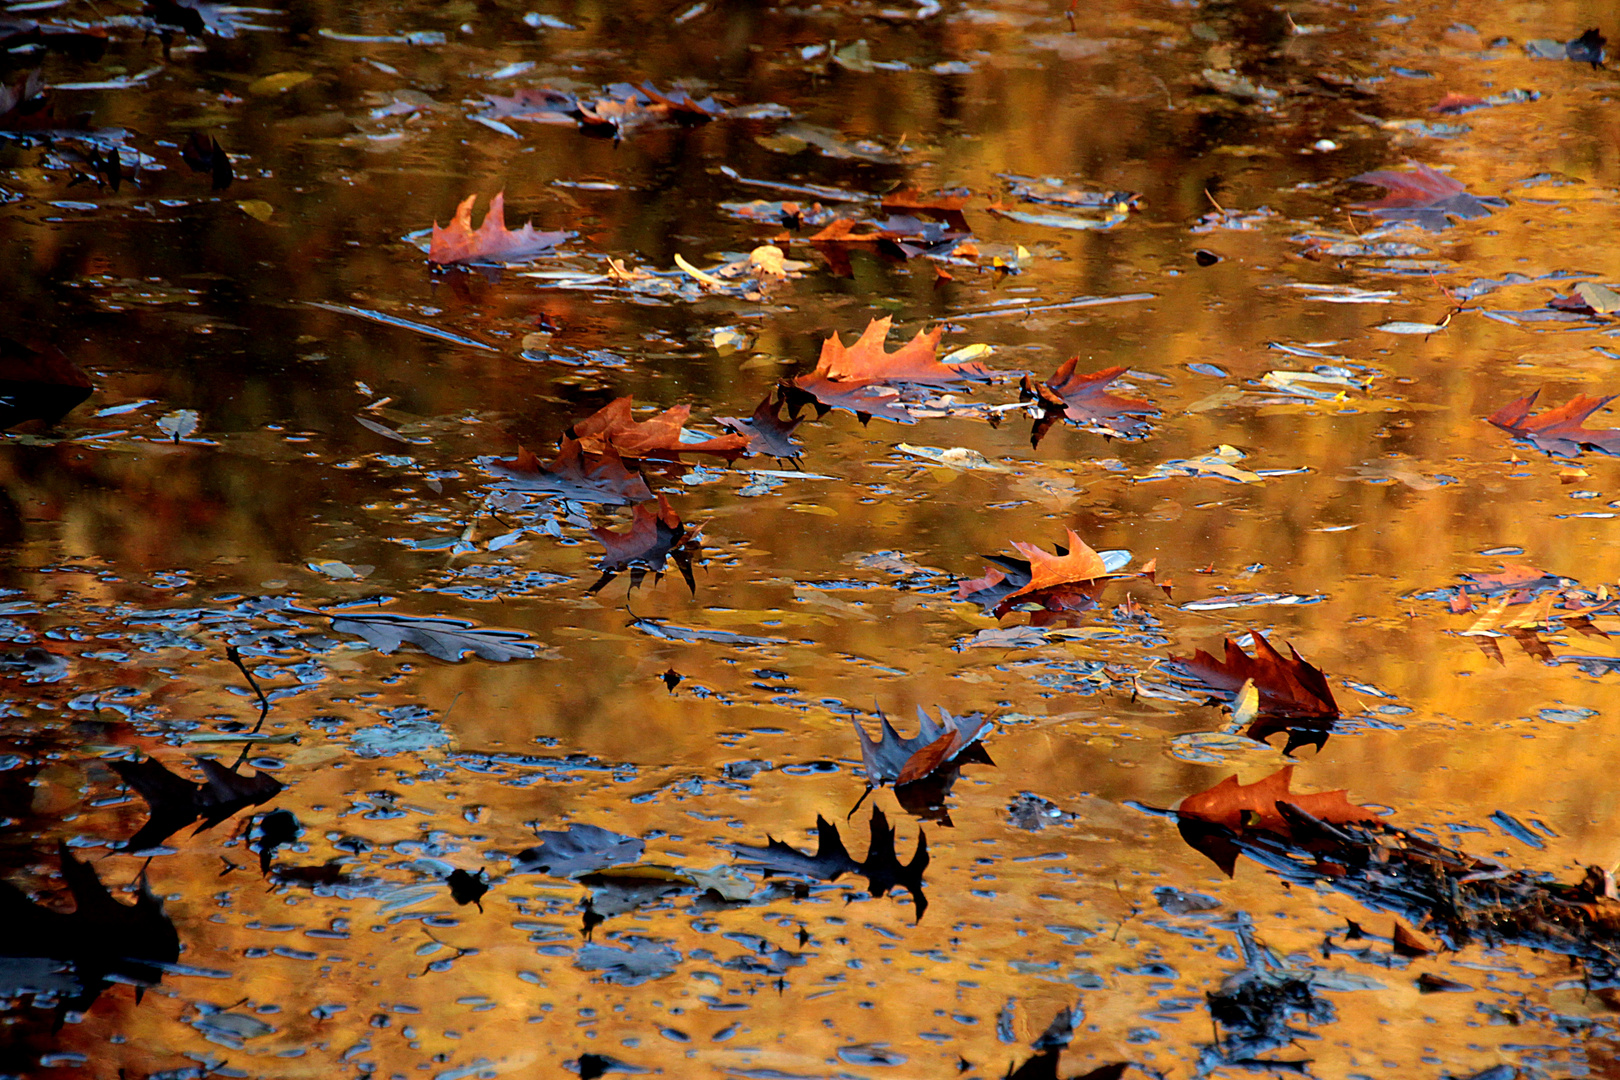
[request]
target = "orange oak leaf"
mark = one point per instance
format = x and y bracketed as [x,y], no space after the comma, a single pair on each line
[1288,687]
[1558,431]
[492,241]
[862,377]
[1085,400]
[1081,564]
[656,437]
[1254,806]
[914,362]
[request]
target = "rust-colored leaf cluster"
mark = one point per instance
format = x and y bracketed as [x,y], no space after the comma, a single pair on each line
[1442,898]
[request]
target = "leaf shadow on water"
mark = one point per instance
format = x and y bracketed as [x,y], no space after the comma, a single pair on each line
[102,938]
[881,868]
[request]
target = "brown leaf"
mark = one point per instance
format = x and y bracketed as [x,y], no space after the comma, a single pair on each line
[1081,564]
[1254,805]
[897,760]
[652,539]
[929,758]
[642,538]
[490,242]
[1429,983]
[656,437]
[1424,196]
[1085,400]
[766,431]
[1288,687]
[1558,431]
[1407,942]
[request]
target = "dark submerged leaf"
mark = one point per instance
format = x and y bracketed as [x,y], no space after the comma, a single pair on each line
[579,849]
[1424,196]
[38,383]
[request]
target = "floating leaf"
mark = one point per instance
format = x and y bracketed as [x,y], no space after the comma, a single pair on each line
[492,241]
[1254,806]
[1425,197]
[1558,431]
[447,639]
[1287,686]
[178,424]
[898,761]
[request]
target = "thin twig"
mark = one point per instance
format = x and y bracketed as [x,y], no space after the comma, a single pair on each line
[235,657]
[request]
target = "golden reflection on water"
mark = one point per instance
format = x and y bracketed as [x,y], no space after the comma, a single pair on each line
[199,305]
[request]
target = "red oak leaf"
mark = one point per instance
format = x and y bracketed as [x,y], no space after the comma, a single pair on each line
[651,539]
[656,437]
[1085,400]
[1254,805]
[1424,196]
[1558,431]
[490,242]
[1288,687]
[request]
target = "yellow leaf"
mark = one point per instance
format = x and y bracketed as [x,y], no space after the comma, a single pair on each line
[257,209]
[1246,706]
[279,83]
[767,260]
[699,275]
[727,340]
